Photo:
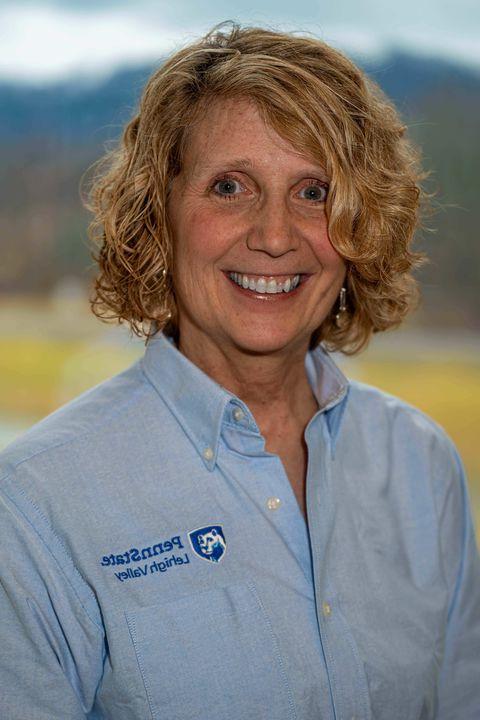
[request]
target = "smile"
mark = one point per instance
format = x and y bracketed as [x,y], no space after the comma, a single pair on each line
[265,284]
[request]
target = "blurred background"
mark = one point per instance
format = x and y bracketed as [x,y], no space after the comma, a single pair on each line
[71,74]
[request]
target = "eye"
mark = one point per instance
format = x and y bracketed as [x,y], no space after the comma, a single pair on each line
[315,191]
[227,187]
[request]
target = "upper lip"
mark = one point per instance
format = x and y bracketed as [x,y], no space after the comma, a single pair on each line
[266,274]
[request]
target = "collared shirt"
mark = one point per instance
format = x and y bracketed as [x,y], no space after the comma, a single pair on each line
[155,562]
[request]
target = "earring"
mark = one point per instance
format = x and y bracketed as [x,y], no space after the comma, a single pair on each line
[164,275]
[342,307]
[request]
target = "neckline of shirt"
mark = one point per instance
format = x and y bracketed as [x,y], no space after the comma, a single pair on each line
[200,404]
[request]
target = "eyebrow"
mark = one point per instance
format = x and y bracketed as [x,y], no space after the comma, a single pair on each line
[236,162]
[247,164]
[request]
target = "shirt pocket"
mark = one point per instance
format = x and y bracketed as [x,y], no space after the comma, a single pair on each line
[211,654]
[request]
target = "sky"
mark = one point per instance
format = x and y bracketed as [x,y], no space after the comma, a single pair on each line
[44,42]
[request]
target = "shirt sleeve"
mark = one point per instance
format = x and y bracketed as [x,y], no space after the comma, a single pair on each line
[459,683]
[51,647]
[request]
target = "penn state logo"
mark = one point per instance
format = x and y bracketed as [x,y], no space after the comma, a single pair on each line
[208,542]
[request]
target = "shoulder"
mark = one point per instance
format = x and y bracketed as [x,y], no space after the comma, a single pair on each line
[401,446]
[386,418]
[377,406]
[86,420]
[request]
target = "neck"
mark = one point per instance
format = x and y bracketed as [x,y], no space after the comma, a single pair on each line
[274,385]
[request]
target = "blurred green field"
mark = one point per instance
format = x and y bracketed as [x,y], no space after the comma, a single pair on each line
[37,375]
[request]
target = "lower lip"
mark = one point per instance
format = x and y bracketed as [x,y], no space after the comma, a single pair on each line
[269,297]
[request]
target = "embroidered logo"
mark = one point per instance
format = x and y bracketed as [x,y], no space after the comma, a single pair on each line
[208,542]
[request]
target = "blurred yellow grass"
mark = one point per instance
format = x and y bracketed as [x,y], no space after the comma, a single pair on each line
[36,376]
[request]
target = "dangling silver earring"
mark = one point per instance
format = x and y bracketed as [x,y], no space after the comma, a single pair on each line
[164,275]
[342,307]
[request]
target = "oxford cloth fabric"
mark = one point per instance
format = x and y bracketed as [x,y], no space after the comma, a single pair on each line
[155,562]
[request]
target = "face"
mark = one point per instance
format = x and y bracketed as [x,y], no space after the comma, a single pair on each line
[254,268]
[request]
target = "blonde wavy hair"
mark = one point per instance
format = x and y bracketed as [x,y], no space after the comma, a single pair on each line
[326,107]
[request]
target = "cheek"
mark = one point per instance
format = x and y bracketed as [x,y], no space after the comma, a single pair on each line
[202,239]
[325,252]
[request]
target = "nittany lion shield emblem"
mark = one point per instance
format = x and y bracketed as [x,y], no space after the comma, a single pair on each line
[208,542]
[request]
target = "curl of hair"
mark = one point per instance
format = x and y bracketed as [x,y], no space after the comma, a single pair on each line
[326,107]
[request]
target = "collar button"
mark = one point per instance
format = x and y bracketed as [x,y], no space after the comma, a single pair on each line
[208,453]
[273,503]
[238,414]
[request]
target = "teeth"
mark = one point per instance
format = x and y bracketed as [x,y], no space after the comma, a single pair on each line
[261,285]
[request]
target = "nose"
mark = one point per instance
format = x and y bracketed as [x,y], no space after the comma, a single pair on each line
[272,230]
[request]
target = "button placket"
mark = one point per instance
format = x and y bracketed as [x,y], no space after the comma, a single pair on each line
[348,685]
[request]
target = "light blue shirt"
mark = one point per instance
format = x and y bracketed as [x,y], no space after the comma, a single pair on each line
[155,563]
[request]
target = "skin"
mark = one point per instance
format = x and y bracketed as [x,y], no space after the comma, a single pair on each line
[266,218]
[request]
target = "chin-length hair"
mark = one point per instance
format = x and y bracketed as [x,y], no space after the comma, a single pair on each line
[328,109]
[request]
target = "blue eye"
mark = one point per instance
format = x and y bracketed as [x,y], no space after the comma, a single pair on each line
[225,188]
[316,192]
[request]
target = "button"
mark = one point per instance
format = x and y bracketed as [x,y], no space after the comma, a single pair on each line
[238,414]
[208,453]
[327,610]
[273,503]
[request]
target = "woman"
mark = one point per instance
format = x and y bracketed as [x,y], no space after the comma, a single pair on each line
[230,528]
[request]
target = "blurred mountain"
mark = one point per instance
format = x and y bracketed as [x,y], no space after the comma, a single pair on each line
[50,136]
[69,113]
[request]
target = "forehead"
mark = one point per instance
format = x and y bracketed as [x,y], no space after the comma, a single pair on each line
[234,131]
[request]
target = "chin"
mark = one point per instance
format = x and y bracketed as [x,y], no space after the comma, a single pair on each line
[268,341]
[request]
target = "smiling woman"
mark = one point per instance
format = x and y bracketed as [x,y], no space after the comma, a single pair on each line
[258,213]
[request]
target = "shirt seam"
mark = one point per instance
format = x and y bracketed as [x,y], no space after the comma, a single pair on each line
[454,590]
[278,656]
[49,550]
[130,620]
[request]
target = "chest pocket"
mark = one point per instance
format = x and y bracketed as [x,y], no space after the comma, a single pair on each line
[212,654]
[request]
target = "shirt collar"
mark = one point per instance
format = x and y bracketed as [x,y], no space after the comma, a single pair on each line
[201,405]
